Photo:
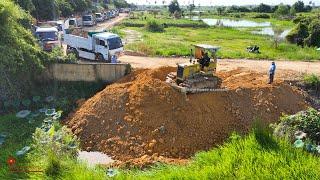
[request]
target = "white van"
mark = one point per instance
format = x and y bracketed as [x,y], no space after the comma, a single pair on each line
[99,17]
[88,20]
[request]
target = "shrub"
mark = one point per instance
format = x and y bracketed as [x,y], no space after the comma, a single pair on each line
[312,80]
[53,167]
[262,15]
[298,34]
[154,26]
[314,36]
[305,121]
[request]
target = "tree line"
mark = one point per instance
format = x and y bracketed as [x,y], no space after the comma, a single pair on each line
[52,9]
[279,10]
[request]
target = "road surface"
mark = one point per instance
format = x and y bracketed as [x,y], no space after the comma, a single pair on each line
[107,24]
[227,64]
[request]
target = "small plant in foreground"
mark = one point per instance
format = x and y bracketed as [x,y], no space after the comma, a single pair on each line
[302,128]
[154,26]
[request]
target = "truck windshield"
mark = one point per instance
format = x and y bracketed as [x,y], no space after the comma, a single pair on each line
[114,43]
[72,22]
[47,36]
[86,18]
[98,15]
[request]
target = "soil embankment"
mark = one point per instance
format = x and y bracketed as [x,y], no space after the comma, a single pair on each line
[141,119]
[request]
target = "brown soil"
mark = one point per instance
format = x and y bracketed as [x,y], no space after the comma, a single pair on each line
[141,119]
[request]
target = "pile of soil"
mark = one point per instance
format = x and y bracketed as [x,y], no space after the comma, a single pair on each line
[141,119]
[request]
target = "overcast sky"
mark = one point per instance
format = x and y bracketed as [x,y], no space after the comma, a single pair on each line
[223,2]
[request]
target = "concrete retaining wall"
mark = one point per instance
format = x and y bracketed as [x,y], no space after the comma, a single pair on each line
[88,72]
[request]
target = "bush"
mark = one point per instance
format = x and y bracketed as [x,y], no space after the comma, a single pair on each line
[305,121]
[312,80]
[314,34]
[53,167]
[154,26]
[298,34]
[262,16]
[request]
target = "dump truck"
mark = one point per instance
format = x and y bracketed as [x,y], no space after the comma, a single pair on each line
[48,37]
[99,46]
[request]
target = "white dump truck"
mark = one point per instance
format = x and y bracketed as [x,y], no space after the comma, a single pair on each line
[99,46]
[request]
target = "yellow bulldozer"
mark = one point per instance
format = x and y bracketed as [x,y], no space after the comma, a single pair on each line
[197,75]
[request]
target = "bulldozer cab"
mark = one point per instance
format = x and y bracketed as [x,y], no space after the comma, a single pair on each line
[202,49]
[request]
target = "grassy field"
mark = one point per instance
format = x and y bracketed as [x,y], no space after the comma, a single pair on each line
[258,156]
[177,39]
[233,43]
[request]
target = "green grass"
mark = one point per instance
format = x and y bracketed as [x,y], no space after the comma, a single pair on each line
[19,135]
[139,21]
[233,43]
[254,157]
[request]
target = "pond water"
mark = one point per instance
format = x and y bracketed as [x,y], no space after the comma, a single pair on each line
[270,32]
[265,28]
[235,23]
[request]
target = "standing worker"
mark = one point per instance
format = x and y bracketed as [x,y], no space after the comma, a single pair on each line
[114,59]
[272,71]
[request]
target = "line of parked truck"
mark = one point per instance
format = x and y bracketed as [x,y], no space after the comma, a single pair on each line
[93,46]
[93,19]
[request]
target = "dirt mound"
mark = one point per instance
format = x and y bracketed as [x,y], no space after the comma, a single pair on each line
[142,117]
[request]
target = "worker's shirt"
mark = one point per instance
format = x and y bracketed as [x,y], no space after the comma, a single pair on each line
[114,59]
[272,69]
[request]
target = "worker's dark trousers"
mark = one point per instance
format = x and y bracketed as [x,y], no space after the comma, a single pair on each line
[271,77]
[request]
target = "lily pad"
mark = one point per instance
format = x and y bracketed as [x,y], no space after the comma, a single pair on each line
[2,138]
[26,103]
[310,148]
[49,99]
[48,120]
[112,172]
[23,151]
[300,135]
[35,114]
[23,114]
[50,112]
[56,116]
[42,110]
[72,146]
[298,143]
[36,98]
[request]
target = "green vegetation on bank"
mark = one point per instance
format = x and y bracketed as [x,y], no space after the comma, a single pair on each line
[257,156]
[178,41]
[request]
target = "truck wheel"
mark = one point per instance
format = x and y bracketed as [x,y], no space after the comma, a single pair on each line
[100,57]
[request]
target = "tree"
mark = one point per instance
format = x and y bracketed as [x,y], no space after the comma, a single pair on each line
[298,6]
[26,5]
[65,8]
[174,6]
[45,9]
[314,34]
[191,7]
[263,8]
[120,4]
[282,11]
[80,5]
[220,10]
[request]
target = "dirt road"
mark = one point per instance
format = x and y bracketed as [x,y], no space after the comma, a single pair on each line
[107,24]
[227,64]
